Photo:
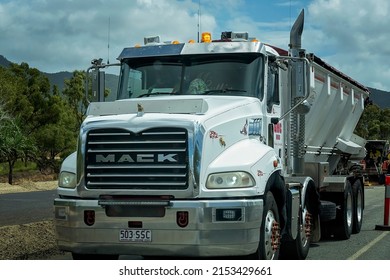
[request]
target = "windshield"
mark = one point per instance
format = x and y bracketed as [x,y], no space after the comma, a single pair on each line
[225,74]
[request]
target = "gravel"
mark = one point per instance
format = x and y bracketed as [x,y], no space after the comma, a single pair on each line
[31,241]
[28,241]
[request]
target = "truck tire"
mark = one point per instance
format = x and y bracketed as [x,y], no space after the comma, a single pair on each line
[298,249]
[344,218]
[77,256]
[358,208]
[269,244]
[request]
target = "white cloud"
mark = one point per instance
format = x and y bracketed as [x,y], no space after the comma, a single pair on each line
[353,36]
[58,35]
[65,35]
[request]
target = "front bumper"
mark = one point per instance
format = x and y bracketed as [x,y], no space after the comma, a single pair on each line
[206,235]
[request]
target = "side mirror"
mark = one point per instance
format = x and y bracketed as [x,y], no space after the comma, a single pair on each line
[303,108]
[98,85]
[97,77]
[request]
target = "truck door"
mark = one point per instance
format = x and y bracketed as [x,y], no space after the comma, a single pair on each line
[275,131]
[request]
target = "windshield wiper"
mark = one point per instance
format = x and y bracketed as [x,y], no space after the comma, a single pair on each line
[222,91]
[153,93]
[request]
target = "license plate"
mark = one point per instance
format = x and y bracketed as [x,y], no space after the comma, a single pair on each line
[135,235]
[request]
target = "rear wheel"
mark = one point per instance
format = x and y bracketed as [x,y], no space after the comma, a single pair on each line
[269,244]
[298,249]
[344,218]
[358,206]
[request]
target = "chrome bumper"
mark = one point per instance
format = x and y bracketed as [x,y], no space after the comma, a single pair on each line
[205,235]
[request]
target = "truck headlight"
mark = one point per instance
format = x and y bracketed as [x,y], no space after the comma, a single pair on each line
[67,180]
[230,180]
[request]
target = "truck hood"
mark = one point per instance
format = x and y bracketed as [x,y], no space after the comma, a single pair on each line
[189,105]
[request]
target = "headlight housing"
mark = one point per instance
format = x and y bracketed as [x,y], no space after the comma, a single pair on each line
[230,180]
[67,180]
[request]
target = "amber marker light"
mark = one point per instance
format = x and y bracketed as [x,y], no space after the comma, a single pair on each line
[206,37]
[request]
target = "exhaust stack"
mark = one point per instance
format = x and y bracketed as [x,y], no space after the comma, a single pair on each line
[298,95]
[296,35]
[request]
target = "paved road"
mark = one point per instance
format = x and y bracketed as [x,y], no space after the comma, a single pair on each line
[369,244]
[27,207]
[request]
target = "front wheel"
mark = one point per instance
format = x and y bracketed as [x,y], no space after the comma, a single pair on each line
[269,244]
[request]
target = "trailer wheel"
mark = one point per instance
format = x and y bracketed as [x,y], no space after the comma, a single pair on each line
[358,206]
[344,218]
[269,244]
[77,256]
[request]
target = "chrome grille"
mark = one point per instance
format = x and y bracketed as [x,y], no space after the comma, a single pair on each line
[152,159]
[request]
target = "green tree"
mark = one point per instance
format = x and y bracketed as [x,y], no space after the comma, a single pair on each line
[74,94]
[14,145]
[374,123]
[26,96]
[385,124]
[56,140]
[3,116]
[363,127]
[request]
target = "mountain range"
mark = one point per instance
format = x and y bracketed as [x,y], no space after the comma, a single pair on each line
[378,97]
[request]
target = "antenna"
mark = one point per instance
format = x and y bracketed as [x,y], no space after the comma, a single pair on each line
[108,41]
[198,21]
[290,14]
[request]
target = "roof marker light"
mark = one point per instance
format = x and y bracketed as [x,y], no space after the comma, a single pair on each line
[206,37]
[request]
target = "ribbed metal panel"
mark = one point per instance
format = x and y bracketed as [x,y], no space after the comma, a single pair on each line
[152,159]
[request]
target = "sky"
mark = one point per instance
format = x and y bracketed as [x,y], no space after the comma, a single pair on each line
[65,35]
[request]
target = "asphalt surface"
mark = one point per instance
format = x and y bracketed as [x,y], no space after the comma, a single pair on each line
[369,244]
[26,207]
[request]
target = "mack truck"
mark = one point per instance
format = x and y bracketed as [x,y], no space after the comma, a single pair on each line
[214,148]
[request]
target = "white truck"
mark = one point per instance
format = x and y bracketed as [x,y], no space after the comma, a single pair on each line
[227,147]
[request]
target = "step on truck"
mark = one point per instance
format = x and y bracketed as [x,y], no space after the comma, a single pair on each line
[223,147]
